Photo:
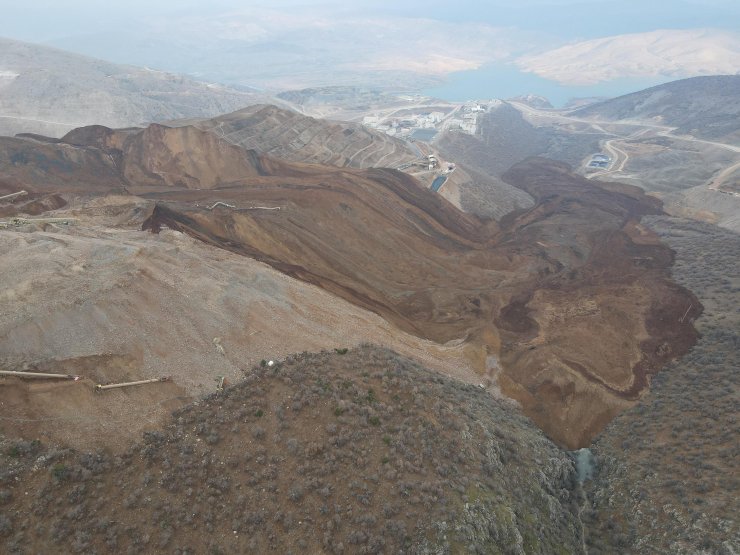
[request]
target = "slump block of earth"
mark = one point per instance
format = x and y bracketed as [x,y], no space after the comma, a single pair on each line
[568,305]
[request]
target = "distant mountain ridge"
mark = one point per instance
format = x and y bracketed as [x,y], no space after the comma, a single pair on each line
[50,92]
[657,54]
[706,107]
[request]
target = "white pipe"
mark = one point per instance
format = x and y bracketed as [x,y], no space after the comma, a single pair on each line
[38,375]
[100,387]
[219,203]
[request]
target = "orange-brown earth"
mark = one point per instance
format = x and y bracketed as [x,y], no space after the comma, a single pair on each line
[567,305]
[71,412]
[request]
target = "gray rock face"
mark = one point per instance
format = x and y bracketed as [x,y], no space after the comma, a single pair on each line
[705,107]
[50,92]
[292,136]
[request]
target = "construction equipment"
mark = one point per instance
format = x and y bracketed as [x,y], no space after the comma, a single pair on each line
[39,375]
[100,387]
[13,195]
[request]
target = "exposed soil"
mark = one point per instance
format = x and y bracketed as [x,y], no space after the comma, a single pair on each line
[31,204]
[571,296]
[577,238]
[72,413]
[114,304]
[514,317]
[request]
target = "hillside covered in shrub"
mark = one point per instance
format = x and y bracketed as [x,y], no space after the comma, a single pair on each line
[361,452]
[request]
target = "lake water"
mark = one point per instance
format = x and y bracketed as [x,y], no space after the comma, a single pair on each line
[438,182]
[506,81]
[425,135]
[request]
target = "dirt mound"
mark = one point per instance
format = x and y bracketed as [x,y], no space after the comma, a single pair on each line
[184,157]
[363,452]
[33,204]
[28,203]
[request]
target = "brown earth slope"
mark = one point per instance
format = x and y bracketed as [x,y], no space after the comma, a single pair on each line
[294,137]
[106,301]
[566,305]
[94,160]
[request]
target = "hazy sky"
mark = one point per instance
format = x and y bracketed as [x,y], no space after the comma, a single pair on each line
[282,44]
[42,20]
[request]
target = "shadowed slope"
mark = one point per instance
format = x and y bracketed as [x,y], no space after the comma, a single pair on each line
[707,107]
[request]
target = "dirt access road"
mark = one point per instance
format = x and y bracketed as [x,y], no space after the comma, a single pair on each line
[619,156]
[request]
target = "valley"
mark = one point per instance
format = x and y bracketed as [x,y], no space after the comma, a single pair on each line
[498,290]
[695,175]
[347,319]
